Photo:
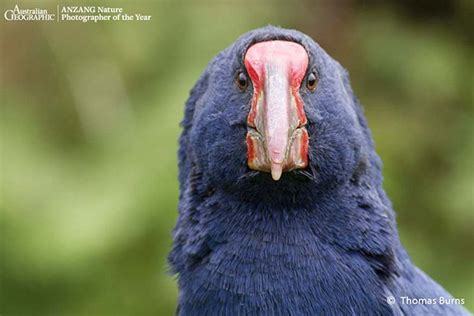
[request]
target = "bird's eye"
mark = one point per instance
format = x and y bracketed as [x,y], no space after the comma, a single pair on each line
[242,81]
[311,82]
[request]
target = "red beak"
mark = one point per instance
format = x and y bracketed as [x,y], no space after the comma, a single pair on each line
[277,140]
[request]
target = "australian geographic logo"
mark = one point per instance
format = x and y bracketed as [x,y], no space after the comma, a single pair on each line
[36,14]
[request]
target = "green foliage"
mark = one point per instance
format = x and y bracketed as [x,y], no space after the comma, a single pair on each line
[89,128]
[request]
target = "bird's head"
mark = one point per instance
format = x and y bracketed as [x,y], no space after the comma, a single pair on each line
[274,108]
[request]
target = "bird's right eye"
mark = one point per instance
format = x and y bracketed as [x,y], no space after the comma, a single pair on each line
[242,81]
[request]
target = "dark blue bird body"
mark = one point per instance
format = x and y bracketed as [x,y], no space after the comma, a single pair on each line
[320,241]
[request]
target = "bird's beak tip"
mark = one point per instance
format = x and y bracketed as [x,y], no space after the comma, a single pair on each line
[276,171]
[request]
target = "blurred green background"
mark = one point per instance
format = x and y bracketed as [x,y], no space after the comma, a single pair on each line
[89,128]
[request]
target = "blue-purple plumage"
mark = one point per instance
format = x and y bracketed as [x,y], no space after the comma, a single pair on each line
[321,241]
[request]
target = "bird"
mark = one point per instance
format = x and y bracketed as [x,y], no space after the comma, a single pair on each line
[282,209]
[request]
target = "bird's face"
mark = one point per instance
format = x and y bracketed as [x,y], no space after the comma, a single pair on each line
[275,108]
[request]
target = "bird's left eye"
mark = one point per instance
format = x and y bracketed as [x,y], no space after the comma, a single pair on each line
[242,81]
[312,82]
